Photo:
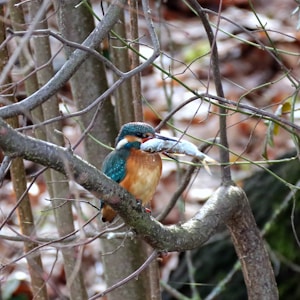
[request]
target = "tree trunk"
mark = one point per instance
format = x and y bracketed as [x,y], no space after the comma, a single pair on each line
[17,170]
[57,183]
[89,82]
[255,262]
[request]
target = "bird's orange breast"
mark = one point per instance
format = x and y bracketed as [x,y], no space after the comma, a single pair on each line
[143,171]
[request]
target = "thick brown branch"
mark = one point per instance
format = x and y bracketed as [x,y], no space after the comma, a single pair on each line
[217,210]
[256,265]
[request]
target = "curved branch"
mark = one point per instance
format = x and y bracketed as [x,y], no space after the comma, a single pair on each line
[70,67]
[217,210]
[48,32]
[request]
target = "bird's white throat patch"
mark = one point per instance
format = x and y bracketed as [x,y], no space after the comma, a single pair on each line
[122,143]
[126,140]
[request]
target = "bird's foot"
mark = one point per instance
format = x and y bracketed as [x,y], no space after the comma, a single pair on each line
[140,204]
[147,210]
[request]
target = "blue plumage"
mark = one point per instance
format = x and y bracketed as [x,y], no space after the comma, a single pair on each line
[114,165]
[137,129]
[135,170]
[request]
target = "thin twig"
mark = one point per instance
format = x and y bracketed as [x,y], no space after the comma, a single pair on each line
[55,243]
[224,153]
[173,292]
[256,112]
[128,278]
[266,228]
[185,181]
[64,41]
[4,167]
[70,67]
[191,275]
[14,57]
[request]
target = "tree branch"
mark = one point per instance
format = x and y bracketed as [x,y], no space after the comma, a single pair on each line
[70,67]
[224,153]
[217,210]
[135,274]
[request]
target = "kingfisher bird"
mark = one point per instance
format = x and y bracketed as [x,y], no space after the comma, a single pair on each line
[135,170]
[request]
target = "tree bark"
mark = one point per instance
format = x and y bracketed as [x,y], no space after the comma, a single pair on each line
[70,67]
[17,171]
[119,53]
[89,82]
[255,262]
[223,206]
[193,233]
[57,184]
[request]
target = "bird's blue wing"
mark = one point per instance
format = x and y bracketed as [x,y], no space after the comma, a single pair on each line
[114,165]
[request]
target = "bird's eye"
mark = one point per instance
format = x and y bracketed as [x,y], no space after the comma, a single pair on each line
[143,135]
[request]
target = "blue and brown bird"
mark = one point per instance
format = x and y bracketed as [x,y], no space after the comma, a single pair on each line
[135,170]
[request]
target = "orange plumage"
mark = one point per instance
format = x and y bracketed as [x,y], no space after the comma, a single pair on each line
[136,171]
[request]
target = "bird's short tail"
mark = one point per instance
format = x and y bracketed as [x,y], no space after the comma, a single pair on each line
[108,214]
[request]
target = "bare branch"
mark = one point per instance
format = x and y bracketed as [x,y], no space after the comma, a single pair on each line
[130,277]
[224,153]
[217,210]
[70,67]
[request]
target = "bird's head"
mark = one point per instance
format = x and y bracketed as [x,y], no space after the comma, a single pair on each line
[133,134]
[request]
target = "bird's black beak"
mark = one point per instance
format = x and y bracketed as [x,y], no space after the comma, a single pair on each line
[161,137]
